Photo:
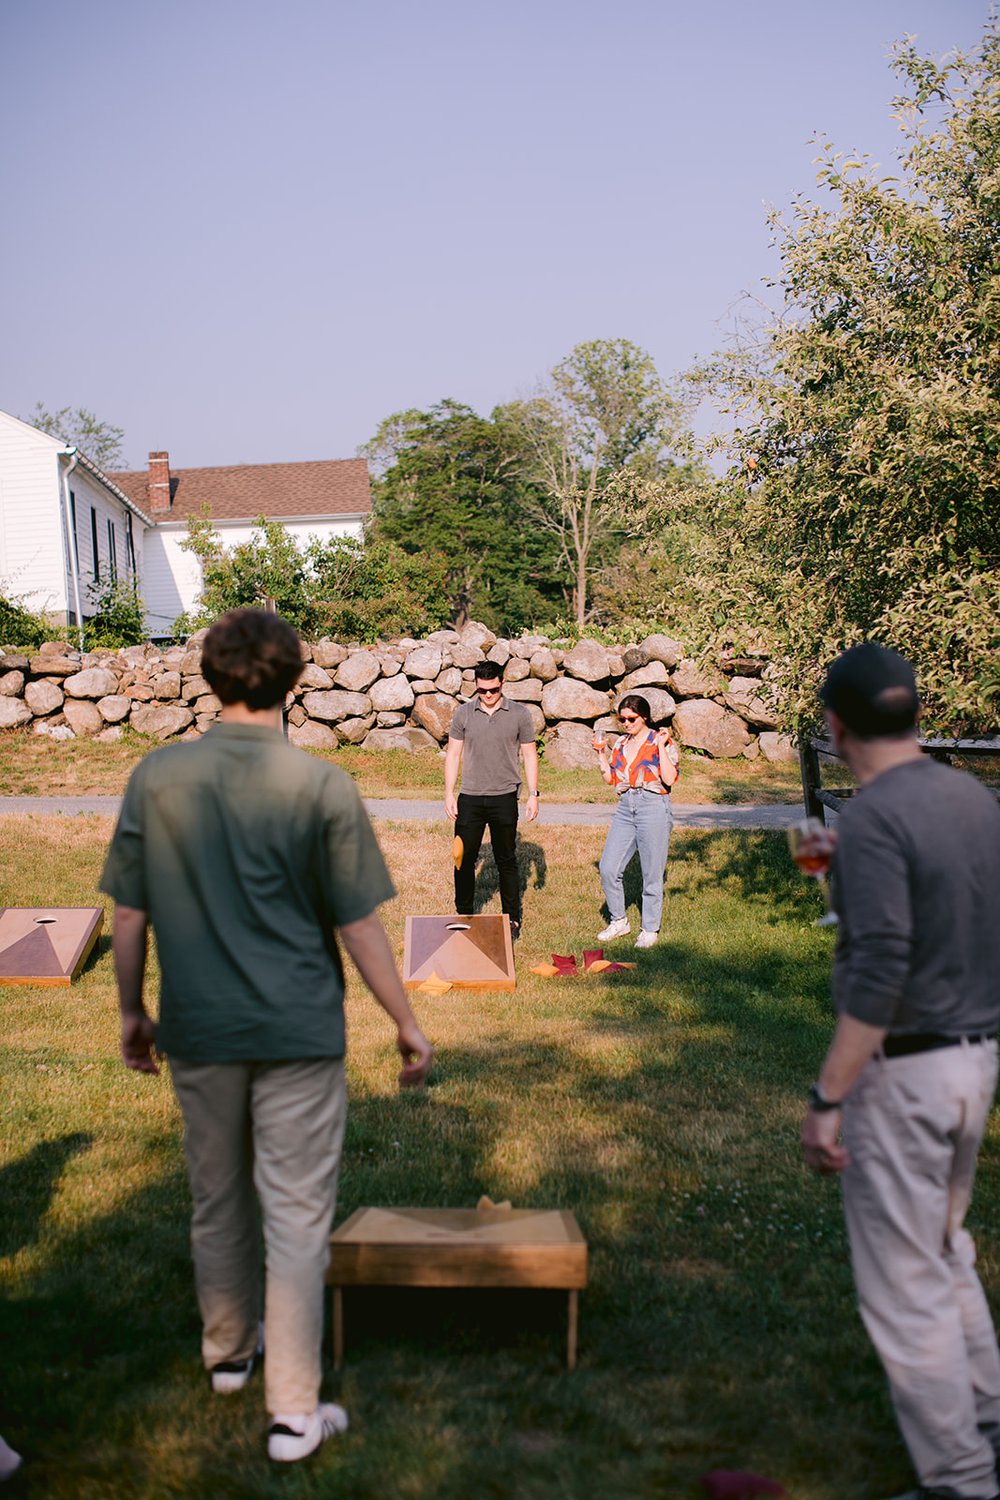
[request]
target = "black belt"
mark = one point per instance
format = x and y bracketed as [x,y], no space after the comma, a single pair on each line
[929,1041]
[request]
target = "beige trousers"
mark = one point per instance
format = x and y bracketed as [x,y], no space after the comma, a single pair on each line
[913,1126]
[267,1134]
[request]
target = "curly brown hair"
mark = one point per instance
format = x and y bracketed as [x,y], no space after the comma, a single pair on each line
[251,656]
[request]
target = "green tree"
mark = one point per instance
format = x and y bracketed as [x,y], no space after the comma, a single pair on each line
[119,615]
[363,590]
[20,626]
[866,486]
[603,409]
[341,586]
[269,565]
[675,570]
[99,441]
[451,485]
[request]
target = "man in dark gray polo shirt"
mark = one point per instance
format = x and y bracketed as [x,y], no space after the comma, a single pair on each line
[902,1098]
[244,855]
[488,735]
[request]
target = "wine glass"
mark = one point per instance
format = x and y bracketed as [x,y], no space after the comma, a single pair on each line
[811,849]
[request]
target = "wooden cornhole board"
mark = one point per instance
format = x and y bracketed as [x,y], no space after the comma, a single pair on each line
[46,944]
[472,953]
[455,1247]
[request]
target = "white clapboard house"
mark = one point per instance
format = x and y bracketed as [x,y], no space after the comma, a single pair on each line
[66,526]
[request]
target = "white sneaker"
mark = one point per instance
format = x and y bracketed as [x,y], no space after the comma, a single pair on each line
[10,1461]
[646,939]
[295,1435]
[232,1374]
[614,929]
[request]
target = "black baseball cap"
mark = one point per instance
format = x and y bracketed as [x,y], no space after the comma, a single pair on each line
[872,690]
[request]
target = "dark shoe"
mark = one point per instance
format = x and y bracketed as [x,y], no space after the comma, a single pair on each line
[515,929]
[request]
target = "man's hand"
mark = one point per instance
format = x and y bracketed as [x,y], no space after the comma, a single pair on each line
[417,1054]
[139,1042]
[822,1150]
[452,761]
[531,807]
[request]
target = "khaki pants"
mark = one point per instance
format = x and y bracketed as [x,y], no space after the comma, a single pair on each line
[913,1126]
[267,1133]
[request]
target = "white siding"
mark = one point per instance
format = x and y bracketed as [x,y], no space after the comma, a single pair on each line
[35,560]
[32,555]
[94,501]
[171,578]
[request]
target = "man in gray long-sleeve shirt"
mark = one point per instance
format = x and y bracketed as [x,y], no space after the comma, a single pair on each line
[910,1076]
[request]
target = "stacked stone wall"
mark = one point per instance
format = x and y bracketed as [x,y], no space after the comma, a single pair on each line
[402,694]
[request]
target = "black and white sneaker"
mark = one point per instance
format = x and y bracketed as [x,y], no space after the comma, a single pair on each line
[232,1374]
[294,1436]
[515,928]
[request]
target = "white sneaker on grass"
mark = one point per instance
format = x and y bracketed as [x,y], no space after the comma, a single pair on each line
[646,939]
[614,930]
[10,1461]
[295,1435]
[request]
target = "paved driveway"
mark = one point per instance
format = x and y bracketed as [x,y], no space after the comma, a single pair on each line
[406,809]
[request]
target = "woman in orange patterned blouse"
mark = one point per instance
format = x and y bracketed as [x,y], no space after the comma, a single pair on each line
[642,767]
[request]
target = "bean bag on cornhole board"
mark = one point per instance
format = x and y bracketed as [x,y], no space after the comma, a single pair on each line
[469,953]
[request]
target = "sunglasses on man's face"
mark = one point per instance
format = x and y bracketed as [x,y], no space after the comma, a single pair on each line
[494,689]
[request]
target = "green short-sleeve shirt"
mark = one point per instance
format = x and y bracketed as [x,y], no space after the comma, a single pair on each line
[246,853]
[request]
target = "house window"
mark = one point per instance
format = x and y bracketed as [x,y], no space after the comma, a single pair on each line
[112,551]
[129,543]
[93,546]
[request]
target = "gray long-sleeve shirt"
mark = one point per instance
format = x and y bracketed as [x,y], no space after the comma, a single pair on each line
[916,881]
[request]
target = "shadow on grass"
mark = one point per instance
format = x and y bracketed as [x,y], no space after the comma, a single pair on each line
[27,1186]
[754,867]
[717,1328]
[109,1312]
[531,871]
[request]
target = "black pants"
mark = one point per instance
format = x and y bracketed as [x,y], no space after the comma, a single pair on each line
[475,815]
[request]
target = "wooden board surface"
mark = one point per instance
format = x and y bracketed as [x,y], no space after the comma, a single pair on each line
[46,945]
[471,953]
[459,1247]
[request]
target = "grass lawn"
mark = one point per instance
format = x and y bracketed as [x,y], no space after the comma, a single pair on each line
[31,765]
[661,1106]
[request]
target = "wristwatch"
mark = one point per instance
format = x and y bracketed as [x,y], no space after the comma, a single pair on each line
[820,1103]
[534,794]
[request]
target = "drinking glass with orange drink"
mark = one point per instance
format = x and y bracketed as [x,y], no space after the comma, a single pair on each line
[811,845]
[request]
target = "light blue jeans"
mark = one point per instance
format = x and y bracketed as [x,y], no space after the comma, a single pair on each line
[642,822]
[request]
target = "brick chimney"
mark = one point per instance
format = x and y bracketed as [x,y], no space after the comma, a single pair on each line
[159,482]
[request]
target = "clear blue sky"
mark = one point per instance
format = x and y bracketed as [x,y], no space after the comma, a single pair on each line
[247,230]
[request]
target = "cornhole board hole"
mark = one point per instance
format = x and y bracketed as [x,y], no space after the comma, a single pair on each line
[46,944]
[456,1247]
[472,953]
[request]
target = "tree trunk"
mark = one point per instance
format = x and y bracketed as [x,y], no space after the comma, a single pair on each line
[580,593]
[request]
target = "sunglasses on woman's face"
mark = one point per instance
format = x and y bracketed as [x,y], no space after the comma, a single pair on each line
[629,718]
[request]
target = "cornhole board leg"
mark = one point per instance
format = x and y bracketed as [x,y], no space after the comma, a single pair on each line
[571,1325]
[338,1327]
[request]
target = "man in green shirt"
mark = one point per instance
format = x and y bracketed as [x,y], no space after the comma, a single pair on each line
[245,855]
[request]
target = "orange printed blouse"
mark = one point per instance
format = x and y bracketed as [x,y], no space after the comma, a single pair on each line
[644,772]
